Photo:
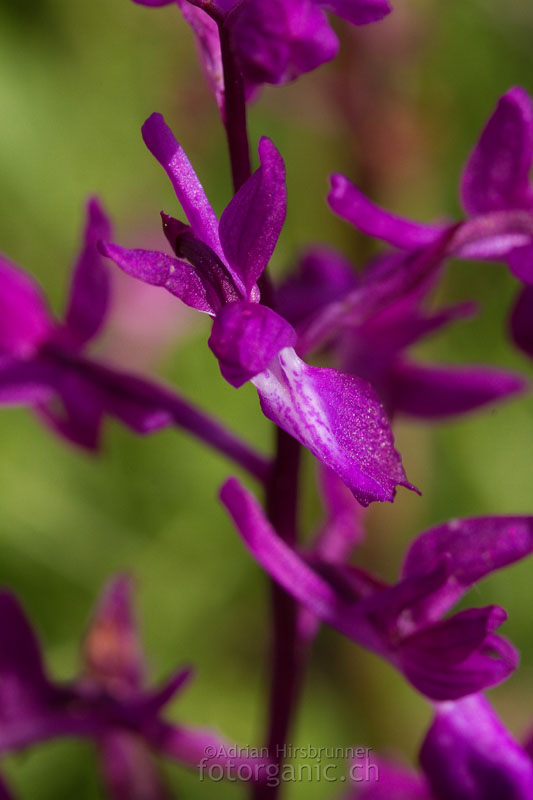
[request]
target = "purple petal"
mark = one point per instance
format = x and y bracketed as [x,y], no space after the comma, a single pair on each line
[458,656]
[155,700]
[476,547]
[26,382]
[370,348]
[278,41]
[90,290]
[358,12]
[395,280]
[112,651]
[494,237]
[496,176]
[161,142]
[137,403]
[192,747]
[24,687]
[207,38]
[210,269]
[339,419]
[350,203]
[387,605]
[469,755]
[24,320]
[401,324]
[445,661]
[251,224]
[328,599]
[177,277]
[322,276]
[276,557]
[429,392]
[129,770]
[246,337]
[79,415]
[521,322]
[520,261]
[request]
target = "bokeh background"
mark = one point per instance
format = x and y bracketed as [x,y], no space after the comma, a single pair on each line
[399,111]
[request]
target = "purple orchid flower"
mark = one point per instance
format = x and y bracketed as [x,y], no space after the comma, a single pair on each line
[273,42]
[43,362]
[107,703]
[444,658]
[369,326]
[467,754]
[495,190]
[215,270]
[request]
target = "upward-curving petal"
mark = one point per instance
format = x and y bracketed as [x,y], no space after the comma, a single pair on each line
[24,319]
[496,176]
[475,547]
[350,203]
[90,289]
[161,142]
[112,652]
[252,222]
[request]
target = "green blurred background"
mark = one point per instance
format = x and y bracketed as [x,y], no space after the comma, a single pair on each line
[398,111]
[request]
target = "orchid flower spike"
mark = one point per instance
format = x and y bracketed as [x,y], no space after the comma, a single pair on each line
[215,269]
[495,190]
[44,363]
[445,658]
[107,703]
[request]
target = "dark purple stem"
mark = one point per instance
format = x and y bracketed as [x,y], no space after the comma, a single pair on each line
[287,653]
[282,488]
[235,119]
[236,125]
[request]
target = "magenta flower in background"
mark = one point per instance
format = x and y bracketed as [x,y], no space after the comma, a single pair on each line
[215,269]
[108,703]
[368,320]
[496,194]
[444,658]
[467,754]
[43,363]
[275,41]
